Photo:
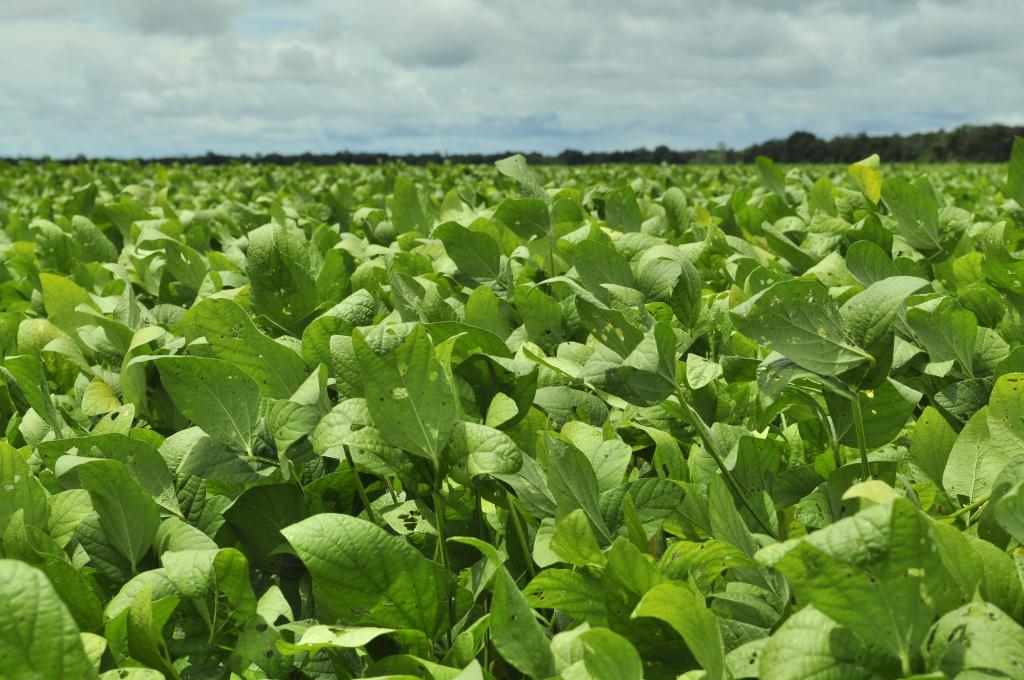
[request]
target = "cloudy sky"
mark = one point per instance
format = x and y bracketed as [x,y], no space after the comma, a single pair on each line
[155,77]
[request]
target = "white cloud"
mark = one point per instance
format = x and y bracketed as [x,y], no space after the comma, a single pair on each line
[135,78]
[181,17]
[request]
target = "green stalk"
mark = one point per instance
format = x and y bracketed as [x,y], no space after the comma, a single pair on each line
[971,507]
[711,446]
[359,486]
[446,559]
[517,529]
[551,253]
[858,423]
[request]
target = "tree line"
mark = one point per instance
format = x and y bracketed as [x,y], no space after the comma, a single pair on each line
[967,143]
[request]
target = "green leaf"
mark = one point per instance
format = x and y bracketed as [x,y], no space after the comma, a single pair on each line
[1010,512]
[527,217]
[917,215]
[598,264]
[29,377]
[476,254]
[281,265]
[315,638]
[946,331]
[977,457]
[869,316]
[1015,178]
[216,395]
[542,316]
[771,176]
[408,394]
[932,441]
[407,208]
[798,319]
[868,263]
[362,574]
[811,645]
[259,514]
[38,637]
[515,632]
[682,606]
[127,513]
[577,593]
[485,449]
[232,336]
[976,640]
[573,482]
[869,180]
[515,167]
[622,211]
[20,491]
[573,540]
[877,573]
[596,654]
[886,410]
[700,372]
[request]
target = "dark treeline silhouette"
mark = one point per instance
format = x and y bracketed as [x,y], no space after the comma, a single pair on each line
[968,143]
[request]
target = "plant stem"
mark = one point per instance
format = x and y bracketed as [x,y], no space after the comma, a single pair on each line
[972,506]
[858,424]
[551,253]
[446,559]
[517,528]
[391,490]
[711,446]
[359,486]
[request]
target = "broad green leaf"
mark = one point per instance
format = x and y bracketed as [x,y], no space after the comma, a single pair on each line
[515,632]
[682,606]
[127,513]
[917,215]
[407,208]
[811,645]
[38,637]
[622,211]
[20,491]
[515,167]
[362,574]
[573,482]
[976,640]
[798,319]
[877,573]
[771,176]
[214,394]
[932,440]
[977,457]
[527,217]
[573,540]
[1015,178]
[598,264]
[29,378]
[946,331]
[867,176]
[1010,512]
[868,263]
[408,394]
[315,638]
[232,336]
[476,254]
[484,449]
[542,316]
[577,593]
[281,268]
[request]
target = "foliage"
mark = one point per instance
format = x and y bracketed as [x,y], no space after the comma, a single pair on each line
[474,422]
